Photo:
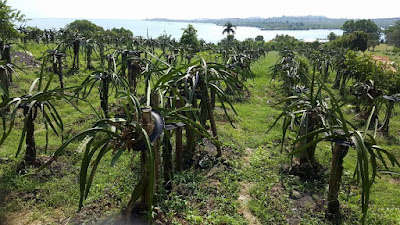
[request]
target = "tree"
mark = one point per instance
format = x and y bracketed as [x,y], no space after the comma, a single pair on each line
[189,38]
[393,35]
[229,28]
[121,35]
[123,32]
[259,38]
[348,26]
[84,27]
[357,40]
[368,26]
[8,16]
[331,36]
[281,42]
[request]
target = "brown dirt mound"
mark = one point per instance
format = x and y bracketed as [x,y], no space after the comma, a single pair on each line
[386,61]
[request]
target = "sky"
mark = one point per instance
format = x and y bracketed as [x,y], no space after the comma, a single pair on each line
[189,9]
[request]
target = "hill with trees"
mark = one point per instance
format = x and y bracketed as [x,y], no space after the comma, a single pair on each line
[287,22]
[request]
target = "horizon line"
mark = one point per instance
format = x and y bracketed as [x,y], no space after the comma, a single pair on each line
[160,18]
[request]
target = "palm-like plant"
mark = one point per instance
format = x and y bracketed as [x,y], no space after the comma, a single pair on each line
[241,63]
[89,45]
[229,28]
[366,93]
[39,99]
[388,82]
[56,56]
[100,40]
[333,127]
[321,59]
[6,64]
[193,84]
[309,110]
[5,70]
[368,155]
[116,135]
[107,80]
[74,41]
[291,70]
[338,63]
[135,66]
[165,41]
[390,101]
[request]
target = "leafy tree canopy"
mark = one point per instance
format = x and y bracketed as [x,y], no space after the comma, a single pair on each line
[8,16]
[332,36]
[393,35]
[259,38]
[85,27]
[229,28]
[189,38]
[357,40]
[367,26]
[122,32]
[164,39]
[281,42]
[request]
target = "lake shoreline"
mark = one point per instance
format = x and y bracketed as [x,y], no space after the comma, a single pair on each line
[209,32]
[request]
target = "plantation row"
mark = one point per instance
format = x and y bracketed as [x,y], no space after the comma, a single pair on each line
[177,101]
[159,98]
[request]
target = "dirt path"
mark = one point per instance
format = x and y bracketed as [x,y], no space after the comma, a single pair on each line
[388,64]
[244,193]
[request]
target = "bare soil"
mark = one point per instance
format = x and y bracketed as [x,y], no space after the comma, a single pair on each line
[388,64]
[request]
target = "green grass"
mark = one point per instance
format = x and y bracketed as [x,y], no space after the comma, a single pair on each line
[386,50]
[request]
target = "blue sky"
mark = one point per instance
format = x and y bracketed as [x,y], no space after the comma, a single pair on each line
[180,9]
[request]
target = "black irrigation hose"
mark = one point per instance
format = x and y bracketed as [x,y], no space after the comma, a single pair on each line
[159,125]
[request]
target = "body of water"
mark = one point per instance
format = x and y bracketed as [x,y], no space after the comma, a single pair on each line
[207,31]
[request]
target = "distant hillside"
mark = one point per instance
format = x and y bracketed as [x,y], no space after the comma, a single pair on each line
[286,22]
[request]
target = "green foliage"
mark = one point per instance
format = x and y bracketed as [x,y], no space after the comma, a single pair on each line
[359,66]
[259,38]
[122,32]
[229,28]
[319,121]
[371,30]
[281,42]
[33,33]
[291,70]
[393,35]
[8,16]
[84,27]
[357,40]
[368,26]
[39,98]
[189,38]
[202,196]
[331,36]
[165,41]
